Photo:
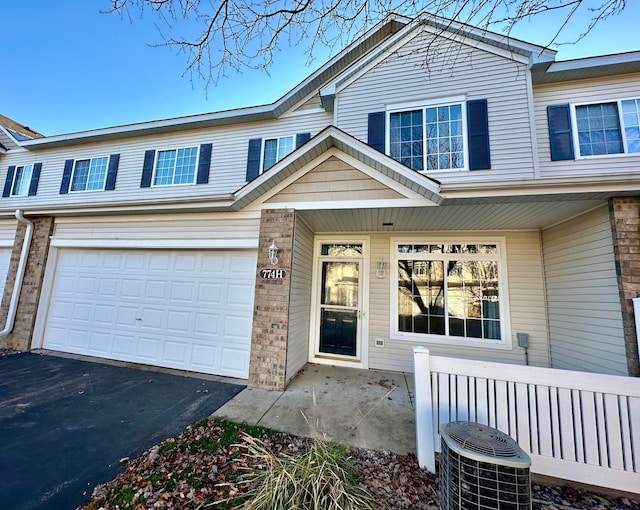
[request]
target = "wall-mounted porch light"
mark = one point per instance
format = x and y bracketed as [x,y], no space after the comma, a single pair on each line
[380,270]
[273,253]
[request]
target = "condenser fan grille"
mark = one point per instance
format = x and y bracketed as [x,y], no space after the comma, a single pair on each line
[482,468]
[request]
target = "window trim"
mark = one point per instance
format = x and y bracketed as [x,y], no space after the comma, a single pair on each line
[263,147]
[156,157]
[574,129]
[423,105]
[73,173]
[28,181]
[505,342]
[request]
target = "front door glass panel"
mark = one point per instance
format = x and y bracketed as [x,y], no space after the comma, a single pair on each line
[339,307]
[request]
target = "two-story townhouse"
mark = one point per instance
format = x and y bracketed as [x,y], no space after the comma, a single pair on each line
[433,184]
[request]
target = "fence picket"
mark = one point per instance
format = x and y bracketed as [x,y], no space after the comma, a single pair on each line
[561,417]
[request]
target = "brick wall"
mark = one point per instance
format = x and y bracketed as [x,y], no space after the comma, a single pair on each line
[625,228]
[20,337]
[267,366]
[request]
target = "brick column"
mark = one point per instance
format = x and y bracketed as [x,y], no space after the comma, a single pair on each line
[625,228]
[267,366]
[20,337]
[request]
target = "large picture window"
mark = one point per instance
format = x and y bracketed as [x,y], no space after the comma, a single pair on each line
[430,138]
[450,290]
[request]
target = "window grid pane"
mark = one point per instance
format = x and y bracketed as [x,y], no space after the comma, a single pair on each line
[80,175]
[186,166]
[407,139]
[631,119]
[97,173]
[599,129]
[22,181]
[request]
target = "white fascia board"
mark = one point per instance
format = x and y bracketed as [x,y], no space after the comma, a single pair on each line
[599,61]
[351,204]
[181,204]
[527,187]
[172,244]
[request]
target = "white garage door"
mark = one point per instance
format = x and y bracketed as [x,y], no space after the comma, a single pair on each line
[190,310]
[5,258]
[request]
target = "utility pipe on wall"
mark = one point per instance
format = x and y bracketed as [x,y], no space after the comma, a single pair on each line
[22,266]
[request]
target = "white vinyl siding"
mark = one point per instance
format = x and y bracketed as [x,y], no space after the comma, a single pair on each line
[456,70]
[222,227]
[228,162]
[593,91]
[300,299]
[526,303]
[585,319]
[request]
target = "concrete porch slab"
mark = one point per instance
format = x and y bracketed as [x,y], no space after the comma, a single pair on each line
[362,408]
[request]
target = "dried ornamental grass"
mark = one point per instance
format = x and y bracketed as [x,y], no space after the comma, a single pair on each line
[320,479]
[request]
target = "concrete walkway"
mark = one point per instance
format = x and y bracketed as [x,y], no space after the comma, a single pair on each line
[363,408]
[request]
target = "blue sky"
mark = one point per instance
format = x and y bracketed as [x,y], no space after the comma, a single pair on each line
[68,67]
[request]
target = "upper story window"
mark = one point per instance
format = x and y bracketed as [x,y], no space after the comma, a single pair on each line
[189,165]
[450,292]
[596,129]
[95,174]
[608,128]
[443,136]
[275,149]
[89,174]
[264,153]
[176,166]
[430,138]
[22,181]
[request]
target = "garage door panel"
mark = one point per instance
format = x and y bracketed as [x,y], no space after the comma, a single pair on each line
[190,310]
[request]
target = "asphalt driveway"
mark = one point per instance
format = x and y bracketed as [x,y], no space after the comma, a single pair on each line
[65,424]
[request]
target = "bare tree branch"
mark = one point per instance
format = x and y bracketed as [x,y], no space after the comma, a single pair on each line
[217,35]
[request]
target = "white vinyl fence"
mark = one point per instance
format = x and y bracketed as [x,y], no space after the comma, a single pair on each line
[575,425]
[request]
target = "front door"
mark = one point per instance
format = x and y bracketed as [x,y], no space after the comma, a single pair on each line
[339,279]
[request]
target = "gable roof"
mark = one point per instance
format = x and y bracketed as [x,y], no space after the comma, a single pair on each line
[328,138]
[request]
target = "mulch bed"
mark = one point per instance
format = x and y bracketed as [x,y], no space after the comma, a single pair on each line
[206,468]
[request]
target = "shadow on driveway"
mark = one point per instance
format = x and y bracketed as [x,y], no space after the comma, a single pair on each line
[65,424]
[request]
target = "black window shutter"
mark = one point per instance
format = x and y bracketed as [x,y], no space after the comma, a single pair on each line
[302,138]
[112,172]
[204,164]
[9,181]
[35,177]
[253,158]
[478,135]
[66,176]
[147,168]
[376,131]
[560,139]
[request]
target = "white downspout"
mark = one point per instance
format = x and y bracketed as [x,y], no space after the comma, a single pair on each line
[22,266]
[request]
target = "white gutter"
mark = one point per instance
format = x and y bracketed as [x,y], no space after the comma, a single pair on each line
[22,266]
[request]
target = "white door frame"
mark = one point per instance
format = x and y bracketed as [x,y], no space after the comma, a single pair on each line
[361,359]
